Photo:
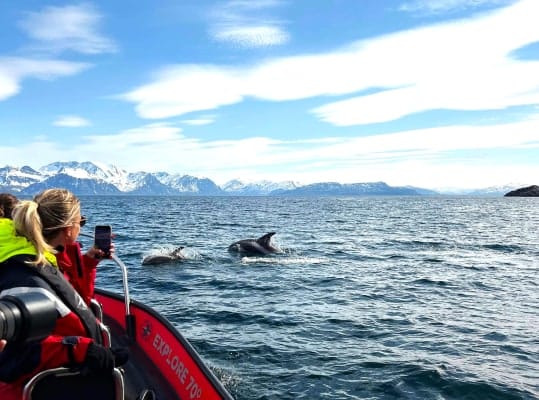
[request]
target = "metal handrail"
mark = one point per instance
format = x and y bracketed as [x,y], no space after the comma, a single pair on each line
[129,318]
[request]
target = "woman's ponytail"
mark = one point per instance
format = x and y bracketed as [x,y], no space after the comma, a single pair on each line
[28,224]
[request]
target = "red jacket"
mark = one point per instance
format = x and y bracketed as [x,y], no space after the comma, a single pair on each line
[78,269]
[19,361]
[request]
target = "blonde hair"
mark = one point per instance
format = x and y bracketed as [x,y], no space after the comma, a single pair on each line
[42,219]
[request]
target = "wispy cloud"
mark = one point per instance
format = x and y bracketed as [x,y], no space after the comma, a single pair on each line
[53,30]
[444,6]
[247,24]
[461,65]
[251,36]
[352,159]
[178,90]
[73,27]
[13,70]
[148,135]
[205,120]
[71,121]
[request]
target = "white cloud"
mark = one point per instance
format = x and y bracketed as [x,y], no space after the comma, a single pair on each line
[252,36]
[54,29]
[181,89]
[71,121]
[382,157]
[150,135]
[13,70]
[460,65]
[72,27]
[8,84]
[246,24]
[442,6]
[428,157]
[204,120]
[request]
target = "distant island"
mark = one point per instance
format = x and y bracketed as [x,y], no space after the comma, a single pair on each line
[528,191]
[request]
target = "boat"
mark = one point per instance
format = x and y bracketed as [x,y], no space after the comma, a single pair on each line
[162,364]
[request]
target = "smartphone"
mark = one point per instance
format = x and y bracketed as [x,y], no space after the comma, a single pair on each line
[102,238]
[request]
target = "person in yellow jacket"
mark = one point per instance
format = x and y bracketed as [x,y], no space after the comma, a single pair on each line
[28,264]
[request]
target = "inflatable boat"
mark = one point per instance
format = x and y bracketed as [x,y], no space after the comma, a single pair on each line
[162,364]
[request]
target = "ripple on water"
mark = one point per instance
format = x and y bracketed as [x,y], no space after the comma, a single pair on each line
[372,298]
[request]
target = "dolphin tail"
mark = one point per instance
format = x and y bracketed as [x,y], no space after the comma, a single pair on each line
[264,241]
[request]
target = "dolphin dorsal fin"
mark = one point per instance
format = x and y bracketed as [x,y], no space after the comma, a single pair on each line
[264,240]
[176,252]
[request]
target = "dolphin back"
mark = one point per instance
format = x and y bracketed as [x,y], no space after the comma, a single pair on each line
[174,255]
[158,259]
[261,245]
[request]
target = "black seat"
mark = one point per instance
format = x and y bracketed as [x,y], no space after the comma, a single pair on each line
[64,383]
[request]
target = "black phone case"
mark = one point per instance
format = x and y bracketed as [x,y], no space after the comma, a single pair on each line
[102,238]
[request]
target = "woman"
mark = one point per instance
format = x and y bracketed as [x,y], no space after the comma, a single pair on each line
[79,269]
[28,264]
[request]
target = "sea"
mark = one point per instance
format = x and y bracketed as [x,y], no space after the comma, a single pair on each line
[369,298]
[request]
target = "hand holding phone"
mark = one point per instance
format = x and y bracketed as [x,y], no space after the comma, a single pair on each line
[103,238]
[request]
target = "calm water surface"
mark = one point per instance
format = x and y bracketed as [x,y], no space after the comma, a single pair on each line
[372,297]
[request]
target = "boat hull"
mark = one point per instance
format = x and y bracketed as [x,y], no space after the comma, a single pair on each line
[160,358]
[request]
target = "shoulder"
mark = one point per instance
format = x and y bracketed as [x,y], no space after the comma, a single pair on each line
[14,272]
[12,244]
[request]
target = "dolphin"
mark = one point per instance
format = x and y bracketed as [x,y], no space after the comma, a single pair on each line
[262,245]
[169,257]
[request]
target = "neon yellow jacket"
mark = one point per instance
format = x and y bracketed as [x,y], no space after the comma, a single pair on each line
[12,244]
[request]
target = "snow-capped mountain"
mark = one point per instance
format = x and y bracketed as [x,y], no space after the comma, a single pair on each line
[80,186]
[486,191]
[496,190]
[189,184]
[89,178]
[89,170]
[348,189]
[239,188]
[143,183]
[13,179]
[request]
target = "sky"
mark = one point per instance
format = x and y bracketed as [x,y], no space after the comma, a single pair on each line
[430,93]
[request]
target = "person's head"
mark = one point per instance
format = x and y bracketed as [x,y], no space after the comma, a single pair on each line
[7,203]
[51,219]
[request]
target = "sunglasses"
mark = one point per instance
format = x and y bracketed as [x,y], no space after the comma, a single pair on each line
[82,221]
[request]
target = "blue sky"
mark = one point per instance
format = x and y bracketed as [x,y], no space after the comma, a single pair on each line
[436,94]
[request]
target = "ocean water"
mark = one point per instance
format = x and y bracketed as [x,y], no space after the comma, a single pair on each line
[371,297]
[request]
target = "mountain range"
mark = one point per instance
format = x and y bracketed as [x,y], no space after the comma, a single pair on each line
[91,178]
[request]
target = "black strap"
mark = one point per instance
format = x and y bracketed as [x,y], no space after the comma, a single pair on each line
[70,342]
